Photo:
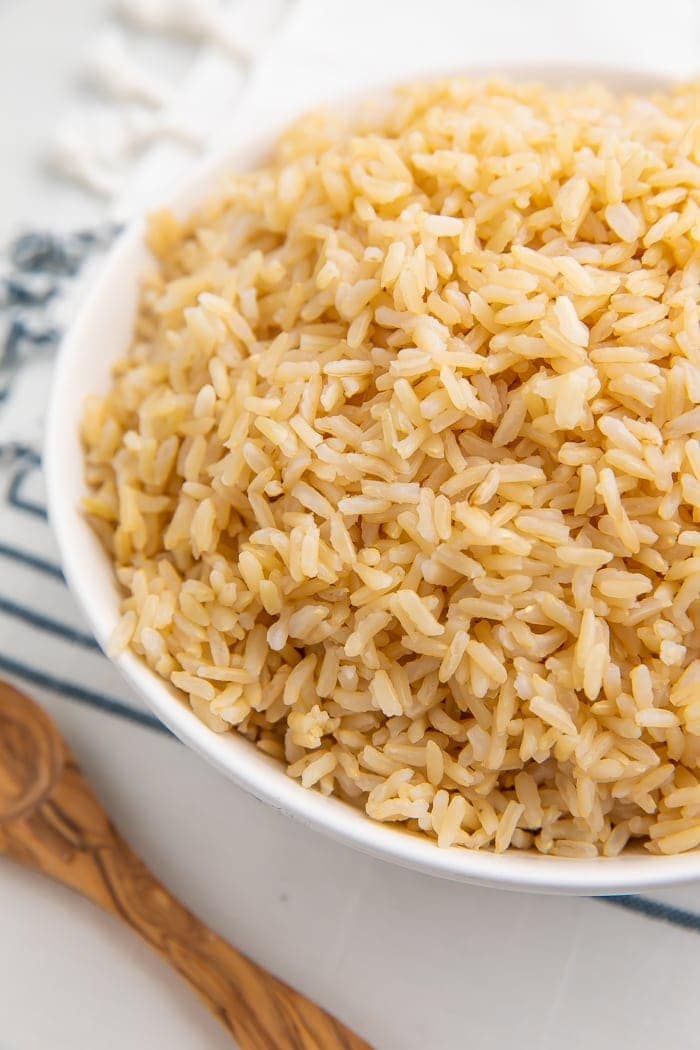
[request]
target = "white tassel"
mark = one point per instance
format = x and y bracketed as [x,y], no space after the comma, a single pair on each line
[111,69]
[202,21]
[73,157]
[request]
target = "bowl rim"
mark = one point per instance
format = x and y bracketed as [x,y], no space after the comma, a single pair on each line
[89,575]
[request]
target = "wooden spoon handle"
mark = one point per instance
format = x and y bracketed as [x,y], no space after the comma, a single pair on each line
[261,1012]
[60,828]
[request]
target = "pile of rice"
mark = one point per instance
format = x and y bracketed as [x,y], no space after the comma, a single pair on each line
[401,474]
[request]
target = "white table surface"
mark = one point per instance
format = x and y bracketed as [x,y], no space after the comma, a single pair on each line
[411,963]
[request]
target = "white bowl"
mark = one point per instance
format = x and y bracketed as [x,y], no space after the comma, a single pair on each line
[100,334]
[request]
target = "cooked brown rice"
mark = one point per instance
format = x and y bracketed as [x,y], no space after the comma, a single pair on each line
[401,474]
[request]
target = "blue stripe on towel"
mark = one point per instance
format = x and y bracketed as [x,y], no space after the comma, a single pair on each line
[20,502]
[32,561]
[651,909]
[17,450]
[27,460]
[73,691]
[46,623]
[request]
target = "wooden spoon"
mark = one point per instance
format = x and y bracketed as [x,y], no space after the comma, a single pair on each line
[51,820]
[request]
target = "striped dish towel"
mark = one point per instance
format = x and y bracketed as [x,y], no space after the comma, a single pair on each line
[43,638]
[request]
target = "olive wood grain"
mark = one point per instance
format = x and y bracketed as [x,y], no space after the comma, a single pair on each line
[51,820]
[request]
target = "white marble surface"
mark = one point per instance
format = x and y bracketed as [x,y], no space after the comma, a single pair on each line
[411,963]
